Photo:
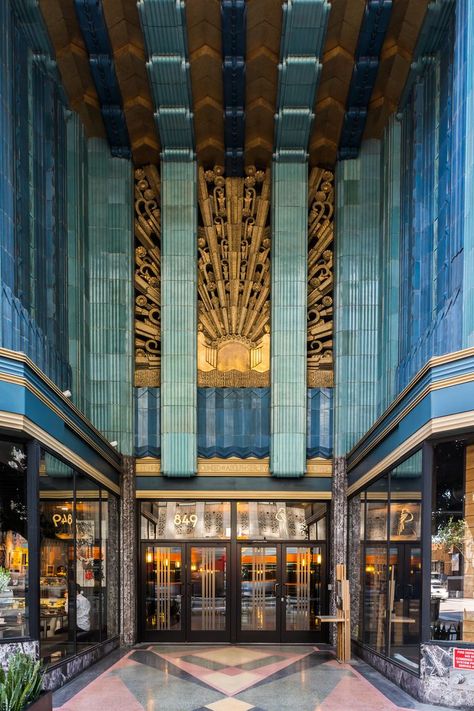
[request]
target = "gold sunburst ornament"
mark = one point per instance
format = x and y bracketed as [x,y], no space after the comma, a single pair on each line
[234,279]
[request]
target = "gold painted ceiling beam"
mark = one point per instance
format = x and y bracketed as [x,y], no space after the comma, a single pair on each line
[264,19]
[126,39]
[73,63]
[395,60]
[203,19]
[338,61]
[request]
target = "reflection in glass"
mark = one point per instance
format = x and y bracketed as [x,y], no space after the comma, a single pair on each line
[274,519]
[208,588]
[375,596]
[89,563]
[258,588]
[404,594]
[302,588]
[185,520]
[163,587]
[13,542]
[57,586]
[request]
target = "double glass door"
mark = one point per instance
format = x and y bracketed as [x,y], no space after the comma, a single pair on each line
[185,592]
[281,592]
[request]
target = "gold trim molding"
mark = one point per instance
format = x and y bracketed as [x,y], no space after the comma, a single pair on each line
[320,278]
[217,466]
[147,276]
[235,495]
[439,425]
[21,423]
[234,279]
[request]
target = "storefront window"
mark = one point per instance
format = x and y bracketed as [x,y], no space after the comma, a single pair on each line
[13,542]
[79,568]
[185,519]
[452,546]
[388,516]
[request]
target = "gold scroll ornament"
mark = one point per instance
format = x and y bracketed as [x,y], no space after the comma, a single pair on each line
[320,278]
[147,276]
[234,279]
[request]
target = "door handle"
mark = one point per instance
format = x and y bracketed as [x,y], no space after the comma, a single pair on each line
[276,588]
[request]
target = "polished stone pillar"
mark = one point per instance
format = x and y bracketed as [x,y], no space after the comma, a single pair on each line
[128,554]
[338,528]
[353,560]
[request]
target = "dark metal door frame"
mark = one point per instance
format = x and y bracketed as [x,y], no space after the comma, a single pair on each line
[207,635]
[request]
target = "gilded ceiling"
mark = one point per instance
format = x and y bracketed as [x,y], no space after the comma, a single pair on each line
[242,74]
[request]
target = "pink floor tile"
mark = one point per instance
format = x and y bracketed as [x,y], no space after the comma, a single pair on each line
[106,693]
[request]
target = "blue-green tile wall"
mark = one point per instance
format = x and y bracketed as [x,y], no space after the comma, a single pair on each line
[110,266]
[357,294]
[78,265]
[389,266]
[178,318]
[289,318]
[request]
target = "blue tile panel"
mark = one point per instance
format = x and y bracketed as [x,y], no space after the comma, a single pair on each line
[289,319]
[90,15]
[302,41]
[78,306]
[233,422]
[371,37]
[163,24]
[147,422]
[357,295]
[320,422]
[432,175]
[178,318]
[32,192]
[110,265]
[463,200]
[233,19]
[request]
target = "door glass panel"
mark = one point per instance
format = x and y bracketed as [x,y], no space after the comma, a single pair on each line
[375,596]
[404,590]
[258,588]
[208,588]
[163,588]
[185,520]
[302,588]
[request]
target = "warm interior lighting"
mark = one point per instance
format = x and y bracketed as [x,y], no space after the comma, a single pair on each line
[318,558]
[149,557]
[177,564]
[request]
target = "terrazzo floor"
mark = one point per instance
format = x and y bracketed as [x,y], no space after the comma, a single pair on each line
[231,678]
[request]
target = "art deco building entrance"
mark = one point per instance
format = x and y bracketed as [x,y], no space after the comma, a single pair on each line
[231,589]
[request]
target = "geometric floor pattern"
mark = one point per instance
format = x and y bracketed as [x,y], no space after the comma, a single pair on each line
[229,678]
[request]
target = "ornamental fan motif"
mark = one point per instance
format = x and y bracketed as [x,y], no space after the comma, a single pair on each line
[320,278]
[234,279]
[147,276]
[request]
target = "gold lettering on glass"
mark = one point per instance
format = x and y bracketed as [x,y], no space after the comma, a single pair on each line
[234,279]
[320,278]
[147,276]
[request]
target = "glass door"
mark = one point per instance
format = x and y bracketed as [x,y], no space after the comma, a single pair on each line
[404,597]
[208,593]
[260,593]
[162,592]
[303,589]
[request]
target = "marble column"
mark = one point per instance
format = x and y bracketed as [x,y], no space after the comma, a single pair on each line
[353,561]
[338,527]
[128,554]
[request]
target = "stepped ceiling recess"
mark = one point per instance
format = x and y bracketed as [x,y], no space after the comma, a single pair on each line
[236,82]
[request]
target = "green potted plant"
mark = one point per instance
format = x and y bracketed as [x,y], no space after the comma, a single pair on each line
[21,686]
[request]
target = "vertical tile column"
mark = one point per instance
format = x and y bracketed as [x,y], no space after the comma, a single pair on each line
[357,295]
[338,527]
[389,266]
[128,553]
[178,319]
[110,262]
[464,53]
[289,317]
[77,266]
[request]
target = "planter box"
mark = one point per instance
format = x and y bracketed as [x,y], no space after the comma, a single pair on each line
[44,703]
